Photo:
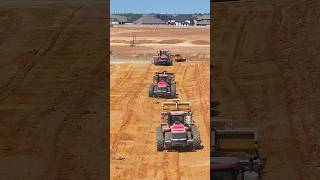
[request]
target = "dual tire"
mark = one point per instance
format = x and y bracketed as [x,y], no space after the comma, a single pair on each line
[196,137]
[173,91]
[160,139]
[151,88]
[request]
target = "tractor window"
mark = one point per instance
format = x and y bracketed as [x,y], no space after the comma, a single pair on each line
[162,78]
[176,118]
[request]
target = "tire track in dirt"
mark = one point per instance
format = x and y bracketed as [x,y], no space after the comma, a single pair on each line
[290,85]
[41,116]
[167,165]
[241,36]
[127,116]
[297,84]
[71,123]
[277,17]
[16,80]
[169,156]
[12,25]
[190,93]
[120,83]
[203,103]
[56,37]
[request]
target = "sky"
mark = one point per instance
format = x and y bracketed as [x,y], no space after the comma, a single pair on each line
[160,6]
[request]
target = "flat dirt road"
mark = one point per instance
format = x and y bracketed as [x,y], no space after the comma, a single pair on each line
[266,75]
[53,90]
[134,117]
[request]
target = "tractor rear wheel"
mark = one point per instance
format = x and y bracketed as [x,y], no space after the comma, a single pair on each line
[151,91]
[196,137]
[160,139]
[173,91]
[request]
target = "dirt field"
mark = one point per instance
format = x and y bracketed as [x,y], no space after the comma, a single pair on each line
[193,43]
[134,116]
[53,90]
[266,58]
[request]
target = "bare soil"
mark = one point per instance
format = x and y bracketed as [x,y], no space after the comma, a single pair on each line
[53,90]
[134,116]
[266,63]
[150,40]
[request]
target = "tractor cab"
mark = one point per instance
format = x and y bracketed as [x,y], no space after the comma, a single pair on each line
[162,81]
[164,53]
[163,85]
[176,117]
[163,76]
[163,58]
[177,129]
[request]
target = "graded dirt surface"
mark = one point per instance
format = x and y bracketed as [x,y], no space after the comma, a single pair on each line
[134,116]
[53,90]
[266,75]
[192,42]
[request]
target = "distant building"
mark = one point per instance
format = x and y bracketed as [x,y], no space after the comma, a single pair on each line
[184,19]
[149,19]
[171,22]
[202,20]
[117,19]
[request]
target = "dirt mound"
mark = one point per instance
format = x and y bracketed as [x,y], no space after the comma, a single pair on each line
[200,42]
[171,41]
[120,41]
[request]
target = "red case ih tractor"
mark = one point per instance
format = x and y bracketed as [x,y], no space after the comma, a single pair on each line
[234,151]
[163,85]
[163,58]
[177,129]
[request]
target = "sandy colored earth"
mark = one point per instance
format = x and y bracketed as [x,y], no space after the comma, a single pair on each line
[266,75]
[193,43]
[53,90]
[134,116]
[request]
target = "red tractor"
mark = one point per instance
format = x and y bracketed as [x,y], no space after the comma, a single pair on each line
[232,168]
[177,129]
[234,152]
[163,85]
[163,58]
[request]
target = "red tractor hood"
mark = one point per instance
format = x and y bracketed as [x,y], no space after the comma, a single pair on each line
[178,128]
[162,84]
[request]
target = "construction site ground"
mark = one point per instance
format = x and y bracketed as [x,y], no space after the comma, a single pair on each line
[53,90]
[190,42]
[134,116]
[266,75]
